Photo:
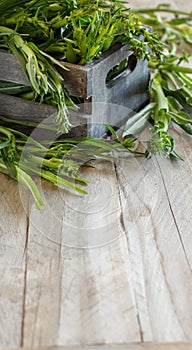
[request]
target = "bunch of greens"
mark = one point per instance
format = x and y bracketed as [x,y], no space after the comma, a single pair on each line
[78,30]
[42,32]
[58,161]
[170,83]
[46,82]
[38,32]
[172,26]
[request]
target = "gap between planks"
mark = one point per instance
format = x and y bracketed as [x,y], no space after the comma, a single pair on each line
[159,242]
[83,287]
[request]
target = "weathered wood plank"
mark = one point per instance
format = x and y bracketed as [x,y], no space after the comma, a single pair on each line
[24,110]
[11,70]
[80,294]
[13,235]
[141,346]
[77,79]
[160,264]
[161,271]
[99,300]
[177,177]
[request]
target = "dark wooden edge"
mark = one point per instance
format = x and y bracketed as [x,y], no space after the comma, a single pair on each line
[11,70]
[77,79]
[15,108]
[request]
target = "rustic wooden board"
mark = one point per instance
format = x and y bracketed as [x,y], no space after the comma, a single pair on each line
[11,70]
[84,282]
[89,291]
[51,294]
[160,263]
[78,79]
[180,200]
[32,111]
[141,346]
[152,346]
[13,240]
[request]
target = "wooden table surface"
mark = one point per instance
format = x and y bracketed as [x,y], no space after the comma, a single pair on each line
[112,267]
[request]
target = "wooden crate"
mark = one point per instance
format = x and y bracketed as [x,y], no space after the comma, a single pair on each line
[103,103]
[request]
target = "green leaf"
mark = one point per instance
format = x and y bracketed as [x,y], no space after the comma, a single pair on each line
[112,131]
[186,127]
[174,103]
[159,96]
[6,5]
[4,144]
[181,117]
[71,54]
[186,80]
[173,80]
[59,181]
[27,181]
[138,122]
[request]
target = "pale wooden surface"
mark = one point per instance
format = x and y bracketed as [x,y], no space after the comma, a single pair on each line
[185,5]
[143,346]
[123,280]
[112,268]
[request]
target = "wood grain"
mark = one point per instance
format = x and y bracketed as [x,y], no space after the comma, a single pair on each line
[142,346]
[79,280]
[13,235]
[35,112]
[11,70]
[59,285]
[160,264]
[177,181]
[79,283]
